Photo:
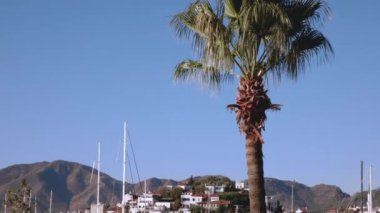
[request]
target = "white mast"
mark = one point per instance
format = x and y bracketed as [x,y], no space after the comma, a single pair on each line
[35,204]
[5,203]
[144,186]
[23,199]
[98,189]
[369,202]
[30,198]
[51,200]
[292,204]
[124,165]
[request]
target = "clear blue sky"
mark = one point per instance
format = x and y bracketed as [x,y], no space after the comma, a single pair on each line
[72,71]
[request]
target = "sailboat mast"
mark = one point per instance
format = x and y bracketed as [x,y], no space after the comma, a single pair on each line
[124,165]
[292,204]
[35,204]
[98,188]
[370,190]
[5,203]
[51,200]
[361,187]
[30,198]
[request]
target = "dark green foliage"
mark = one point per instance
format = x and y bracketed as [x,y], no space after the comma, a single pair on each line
[198,188]
[176,205]
[191,181]
[276,208]
[171,194]
[197,209]
[224,209]
[236,198]
[18,200]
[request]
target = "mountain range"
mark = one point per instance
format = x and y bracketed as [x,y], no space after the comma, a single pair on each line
[74,187]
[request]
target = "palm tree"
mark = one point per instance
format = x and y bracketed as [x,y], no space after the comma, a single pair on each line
[253,40]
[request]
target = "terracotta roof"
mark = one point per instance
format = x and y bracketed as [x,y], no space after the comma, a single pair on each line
[219,202]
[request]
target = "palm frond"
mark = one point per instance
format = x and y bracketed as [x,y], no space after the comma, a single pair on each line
[232,8]
[306,13]
[184,24]
[263,28]
[306,46]
[201,73]
[210,36]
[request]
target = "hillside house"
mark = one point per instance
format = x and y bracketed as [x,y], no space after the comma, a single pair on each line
[101,208]
[212,189]
[239,185]
[188,199]
[214,205]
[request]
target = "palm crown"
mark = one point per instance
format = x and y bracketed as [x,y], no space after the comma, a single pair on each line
[253,37]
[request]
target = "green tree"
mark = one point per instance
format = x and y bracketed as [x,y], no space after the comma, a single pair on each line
[174,194]
[223,209]
[18,200]
[190,182]
[236,198]
[197,209]
[252,40]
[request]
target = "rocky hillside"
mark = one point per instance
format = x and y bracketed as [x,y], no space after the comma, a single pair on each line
[316,198]
[70,183]
[73,190]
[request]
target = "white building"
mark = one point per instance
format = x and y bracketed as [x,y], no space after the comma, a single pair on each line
[160,205]
[239,185]
[145,201]
[188,199]
[214,198]
[101,208]
[184,187]
[215,204]
[211,189]
[184,210]
[128,198]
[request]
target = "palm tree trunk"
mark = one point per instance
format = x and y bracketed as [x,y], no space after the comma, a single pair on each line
[251,103]
[255,168]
